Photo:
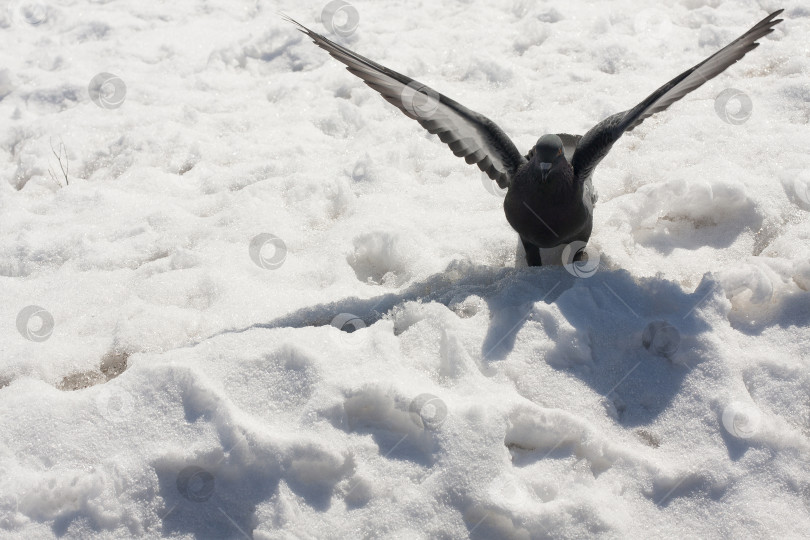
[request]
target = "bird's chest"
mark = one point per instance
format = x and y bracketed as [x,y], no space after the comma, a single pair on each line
[544,217]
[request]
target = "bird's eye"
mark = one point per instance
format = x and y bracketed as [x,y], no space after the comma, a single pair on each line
[559,153]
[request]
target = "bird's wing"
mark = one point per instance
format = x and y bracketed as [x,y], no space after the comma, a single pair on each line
[596,143]
[468,134]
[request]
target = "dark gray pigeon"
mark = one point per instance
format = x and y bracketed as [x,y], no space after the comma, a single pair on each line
[549,199]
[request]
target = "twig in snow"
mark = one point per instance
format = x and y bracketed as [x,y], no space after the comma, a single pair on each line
[64,166]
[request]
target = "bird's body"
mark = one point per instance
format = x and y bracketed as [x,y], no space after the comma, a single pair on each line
[558,208]
[550,198]
[548,194]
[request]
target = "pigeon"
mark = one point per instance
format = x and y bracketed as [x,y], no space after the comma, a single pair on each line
[549,192]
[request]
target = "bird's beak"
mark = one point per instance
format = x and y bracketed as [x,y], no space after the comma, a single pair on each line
[544,168]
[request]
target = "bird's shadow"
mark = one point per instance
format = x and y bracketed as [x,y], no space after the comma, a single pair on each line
[611,307]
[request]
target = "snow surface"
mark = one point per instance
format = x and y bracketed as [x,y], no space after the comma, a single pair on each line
[166,371]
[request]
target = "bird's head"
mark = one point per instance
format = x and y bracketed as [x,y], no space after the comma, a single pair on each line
[547,154]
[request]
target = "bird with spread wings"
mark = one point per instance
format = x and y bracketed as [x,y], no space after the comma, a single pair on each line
[549,198]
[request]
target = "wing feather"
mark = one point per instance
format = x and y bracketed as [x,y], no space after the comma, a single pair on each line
[470,135]
[598,141]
